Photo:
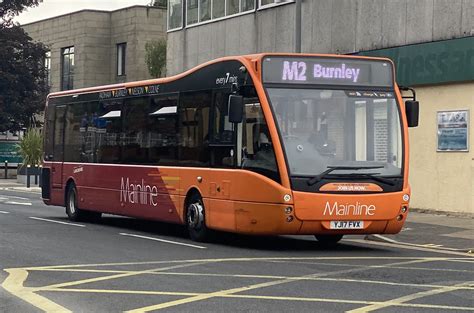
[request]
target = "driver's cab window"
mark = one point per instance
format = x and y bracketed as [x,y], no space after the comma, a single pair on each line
[257,147]
[306,121]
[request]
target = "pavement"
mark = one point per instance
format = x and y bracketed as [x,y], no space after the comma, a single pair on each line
[423,228]
[12,184]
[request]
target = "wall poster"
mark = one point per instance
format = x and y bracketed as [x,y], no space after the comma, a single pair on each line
[453,132]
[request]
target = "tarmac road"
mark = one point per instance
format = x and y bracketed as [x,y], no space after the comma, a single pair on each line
[122,264]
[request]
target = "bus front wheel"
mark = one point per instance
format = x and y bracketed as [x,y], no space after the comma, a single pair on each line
[328,240]
[196,219]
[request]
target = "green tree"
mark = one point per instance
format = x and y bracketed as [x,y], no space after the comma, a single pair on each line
[23,86]
[155,57]
[31,147]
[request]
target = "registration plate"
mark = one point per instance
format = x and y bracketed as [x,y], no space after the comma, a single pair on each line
[347,225]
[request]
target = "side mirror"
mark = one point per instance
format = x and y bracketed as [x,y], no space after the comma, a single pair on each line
[412,110]
[236,109]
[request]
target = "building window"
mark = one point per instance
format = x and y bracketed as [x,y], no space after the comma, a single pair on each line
[263,3]
[47,67]
[198,11]
[247,5]
[232,7]
[175,14]
[205,10]
[121,56]
[67,68]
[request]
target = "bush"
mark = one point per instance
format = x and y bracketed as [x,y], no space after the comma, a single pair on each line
[31,147]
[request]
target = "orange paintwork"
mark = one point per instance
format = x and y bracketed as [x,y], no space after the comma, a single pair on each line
[238,200]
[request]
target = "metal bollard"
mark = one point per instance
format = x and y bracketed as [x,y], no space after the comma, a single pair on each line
[28,176]
[6,169]
[36,174]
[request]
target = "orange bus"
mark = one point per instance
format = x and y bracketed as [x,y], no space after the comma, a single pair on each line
[255,144]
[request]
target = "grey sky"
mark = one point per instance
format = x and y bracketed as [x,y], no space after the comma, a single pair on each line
[50,8]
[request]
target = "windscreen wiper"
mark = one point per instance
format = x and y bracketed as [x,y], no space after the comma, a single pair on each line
[318,178]
[371,176]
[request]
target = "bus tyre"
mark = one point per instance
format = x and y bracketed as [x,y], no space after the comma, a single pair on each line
[328,240]
[196,219]
[72,211]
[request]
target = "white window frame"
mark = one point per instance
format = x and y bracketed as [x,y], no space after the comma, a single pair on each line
[275,3]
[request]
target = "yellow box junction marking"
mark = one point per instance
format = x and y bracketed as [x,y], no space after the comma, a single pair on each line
[17,277]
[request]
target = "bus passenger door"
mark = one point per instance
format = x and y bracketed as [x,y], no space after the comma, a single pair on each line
[222,145]
[58,147]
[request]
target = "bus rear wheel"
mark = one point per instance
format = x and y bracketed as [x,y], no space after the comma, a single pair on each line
[328,240]
[73,212]
[196,219]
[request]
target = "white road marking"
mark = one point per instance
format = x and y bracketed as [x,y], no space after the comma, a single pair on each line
[18,203]
[53,221]
[163,240]
[12,197]
[4,212]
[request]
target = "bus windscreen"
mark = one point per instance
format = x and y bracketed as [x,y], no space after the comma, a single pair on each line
[327,71]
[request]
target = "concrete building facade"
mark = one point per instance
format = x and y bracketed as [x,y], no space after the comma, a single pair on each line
[98,40]
[430,41]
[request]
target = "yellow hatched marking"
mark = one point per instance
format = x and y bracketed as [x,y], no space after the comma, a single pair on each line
[254,277]
[16,278]
[418,295]
[257,297]
[39,268]
[226,292]
[14,285]
[121,275]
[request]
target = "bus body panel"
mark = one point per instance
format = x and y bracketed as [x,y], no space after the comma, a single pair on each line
[129,190]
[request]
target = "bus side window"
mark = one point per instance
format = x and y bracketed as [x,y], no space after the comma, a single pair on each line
[135,120]
[193,112]
[78,146]
[163,130]
[58,140]
[109,136]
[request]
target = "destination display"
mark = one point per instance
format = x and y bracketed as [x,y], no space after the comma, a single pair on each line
[326,71]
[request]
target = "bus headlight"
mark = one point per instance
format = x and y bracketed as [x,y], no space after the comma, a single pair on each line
[288,210]
[406,197]
[404,209]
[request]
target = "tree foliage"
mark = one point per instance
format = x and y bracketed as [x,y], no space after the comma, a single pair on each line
[155,57]
[11,8]
[23,86]
[31,147]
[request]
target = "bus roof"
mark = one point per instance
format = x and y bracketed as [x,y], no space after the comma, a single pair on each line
[243,58]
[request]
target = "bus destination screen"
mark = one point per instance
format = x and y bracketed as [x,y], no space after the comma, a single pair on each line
[326,71]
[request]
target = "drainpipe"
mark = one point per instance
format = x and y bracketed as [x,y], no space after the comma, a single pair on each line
[298,25]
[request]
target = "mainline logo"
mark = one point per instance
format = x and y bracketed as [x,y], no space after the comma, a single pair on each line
[346,209]
[138,193]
